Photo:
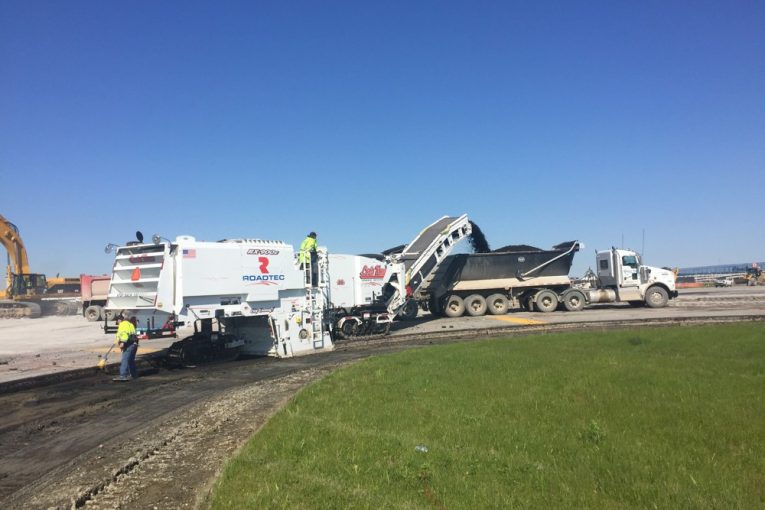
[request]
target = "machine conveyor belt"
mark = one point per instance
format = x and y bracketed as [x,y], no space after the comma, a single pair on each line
[423,241]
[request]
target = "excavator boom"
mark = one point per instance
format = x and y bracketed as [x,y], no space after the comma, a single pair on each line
[24,292]
[18,261]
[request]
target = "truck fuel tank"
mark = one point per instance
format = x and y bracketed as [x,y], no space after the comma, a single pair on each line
[601,295]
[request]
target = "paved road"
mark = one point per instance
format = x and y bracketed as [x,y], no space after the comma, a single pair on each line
[692,303]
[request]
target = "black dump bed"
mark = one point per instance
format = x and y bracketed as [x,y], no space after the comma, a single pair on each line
[521,264]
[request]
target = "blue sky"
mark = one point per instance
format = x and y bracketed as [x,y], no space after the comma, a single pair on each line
[366,121]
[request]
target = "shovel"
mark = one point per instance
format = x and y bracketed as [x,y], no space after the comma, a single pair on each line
[102,362]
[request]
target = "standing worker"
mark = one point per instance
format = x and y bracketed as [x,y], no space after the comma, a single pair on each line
[307,254]
[127,340]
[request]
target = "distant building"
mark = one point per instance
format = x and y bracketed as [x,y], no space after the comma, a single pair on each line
[703,273]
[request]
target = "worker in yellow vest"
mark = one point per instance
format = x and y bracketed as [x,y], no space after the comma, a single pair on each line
[127,340]
[307,254]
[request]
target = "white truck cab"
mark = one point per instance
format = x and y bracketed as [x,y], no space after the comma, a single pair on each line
[623,277]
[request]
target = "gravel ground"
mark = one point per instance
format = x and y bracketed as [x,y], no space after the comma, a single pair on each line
[173,462]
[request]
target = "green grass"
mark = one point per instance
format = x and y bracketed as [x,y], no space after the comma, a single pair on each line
[654,418]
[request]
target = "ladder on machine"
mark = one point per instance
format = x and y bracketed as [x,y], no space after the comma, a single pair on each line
[315,298]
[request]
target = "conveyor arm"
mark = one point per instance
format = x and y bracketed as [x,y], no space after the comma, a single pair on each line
[416,264]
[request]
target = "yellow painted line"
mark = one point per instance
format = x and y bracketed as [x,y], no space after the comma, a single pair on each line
[516,320]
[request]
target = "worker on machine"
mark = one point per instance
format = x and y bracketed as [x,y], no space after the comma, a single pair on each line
[307,255]
[127,340]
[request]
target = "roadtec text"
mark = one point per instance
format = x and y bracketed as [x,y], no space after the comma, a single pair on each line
[261,277]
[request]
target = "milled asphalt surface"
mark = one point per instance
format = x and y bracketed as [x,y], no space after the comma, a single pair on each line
[56,345]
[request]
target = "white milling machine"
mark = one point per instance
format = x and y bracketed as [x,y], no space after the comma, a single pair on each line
[250,296]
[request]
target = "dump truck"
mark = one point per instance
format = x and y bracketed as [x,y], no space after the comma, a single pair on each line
[94,290]
[537,280]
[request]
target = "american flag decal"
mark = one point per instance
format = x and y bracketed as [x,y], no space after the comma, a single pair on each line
[189,253]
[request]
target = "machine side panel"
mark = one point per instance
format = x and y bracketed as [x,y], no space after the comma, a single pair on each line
[355,280]
[229,269]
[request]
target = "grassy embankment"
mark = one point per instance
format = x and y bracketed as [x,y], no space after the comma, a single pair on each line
[655,418]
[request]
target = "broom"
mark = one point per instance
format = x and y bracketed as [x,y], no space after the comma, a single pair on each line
[102,362]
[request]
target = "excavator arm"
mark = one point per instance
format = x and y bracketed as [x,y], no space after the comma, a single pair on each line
[18,278]
[9,237]
[17,254]
[26,294]
[418,261]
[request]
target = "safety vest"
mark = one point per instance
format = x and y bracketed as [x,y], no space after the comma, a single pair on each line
[124,330]
[306,247]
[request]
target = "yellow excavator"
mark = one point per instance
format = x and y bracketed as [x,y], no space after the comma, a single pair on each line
[28,294]
[755,275]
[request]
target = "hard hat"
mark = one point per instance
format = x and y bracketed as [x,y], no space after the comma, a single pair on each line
[312,234]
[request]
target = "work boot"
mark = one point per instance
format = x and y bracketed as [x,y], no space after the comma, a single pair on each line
[121,379]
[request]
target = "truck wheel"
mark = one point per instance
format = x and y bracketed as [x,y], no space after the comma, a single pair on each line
[497,304]
[573,301]
[656,297]
[349,328]
[110,315]
[93,313]
[454,306]
[546,301]
[475,304]
[409,311]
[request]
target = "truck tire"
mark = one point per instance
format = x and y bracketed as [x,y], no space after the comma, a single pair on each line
[454,306]
[573,300]
[497,304]
[656,297]
[475,305]
[546,301]
[93,313]
[409,311]
[110,315]
[349,328]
